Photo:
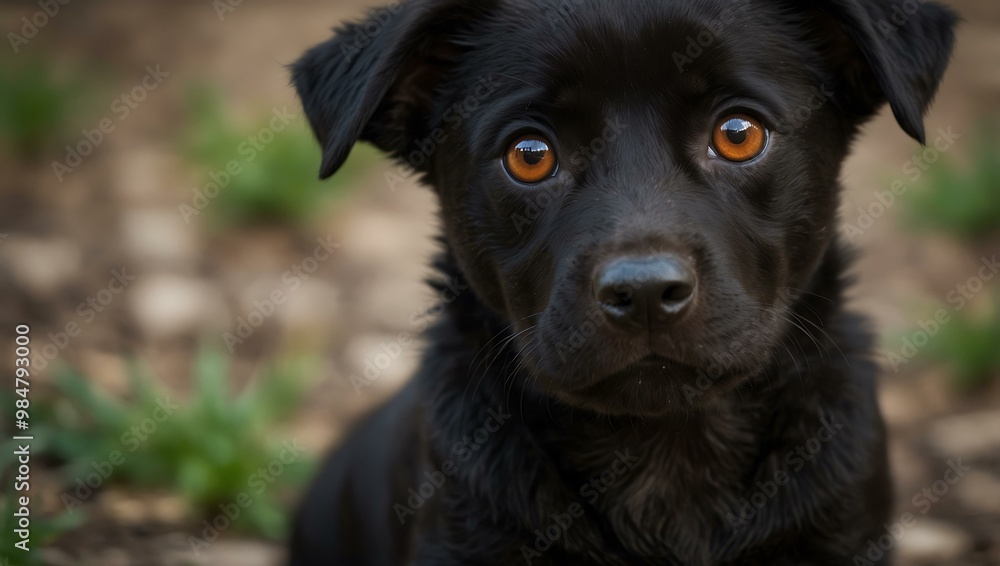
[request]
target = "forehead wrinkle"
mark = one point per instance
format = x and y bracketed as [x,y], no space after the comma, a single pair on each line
[758,85]
[632,43]
[779,81]
[624,62]
[525,105]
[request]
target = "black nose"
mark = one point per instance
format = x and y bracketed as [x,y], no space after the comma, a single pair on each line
[645,291]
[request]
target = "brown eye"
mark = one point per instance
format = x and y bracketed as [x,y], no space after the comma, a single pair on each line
[530,159]
[739,138]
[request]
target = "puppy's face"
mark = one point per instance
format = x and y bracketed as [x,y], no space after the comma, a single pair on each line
[639,188]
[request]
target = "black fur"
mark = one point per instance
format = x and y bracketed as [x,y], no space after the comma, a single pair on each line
[744,432]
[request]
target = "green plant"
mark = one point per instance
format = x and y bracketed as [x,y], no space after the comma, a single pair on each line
[38,109]
[210,450]
[970,347]
[267,173]
[43,530]
[961,199]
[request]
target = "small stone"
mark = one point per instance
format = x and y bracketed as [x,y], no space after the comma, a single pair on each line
[403,304]
[933,542]
[136,508]
[381,360]
[169,305]
[314,303]
[115,557]
[979,491]
[158,236]
[41,266]
[145,175]
[56,557]
[229,553]
[972,436]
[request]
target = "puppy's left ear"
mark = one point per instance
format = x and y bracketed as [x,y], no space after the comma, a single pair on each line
[906,45]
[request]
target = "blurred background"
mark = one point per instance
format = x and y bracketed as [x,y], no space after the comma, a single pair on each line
[205,317]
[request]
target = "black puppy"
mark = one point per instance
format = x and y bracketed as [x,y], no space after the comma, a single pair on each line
[650,362]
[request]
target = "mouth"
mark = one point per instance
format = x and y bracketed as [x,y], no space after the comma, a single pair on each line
[658,369]
[617,374]
[653,361]
[653,385]
[651,370]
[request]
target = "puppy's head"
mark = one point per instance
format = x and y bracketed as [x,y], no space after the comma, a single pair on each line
[638,187]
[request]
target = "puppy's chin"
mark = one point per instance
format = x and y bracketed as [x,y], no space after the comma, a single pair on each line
[651,387]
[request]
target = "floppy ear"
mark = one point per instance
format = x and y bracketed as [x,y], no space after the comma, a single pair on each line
[906,44]
[375,80]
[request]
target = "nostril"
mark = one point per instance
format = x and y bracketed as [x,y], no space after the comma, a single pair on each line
[615,298]
[677,293]
[623,298]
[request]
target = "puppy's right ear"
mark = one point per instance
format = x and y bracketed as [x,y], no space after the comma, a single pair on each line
[375,80]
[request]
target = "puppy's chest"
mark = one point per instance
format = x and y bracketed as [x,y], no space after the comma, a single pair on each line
[671,502]
[670,511]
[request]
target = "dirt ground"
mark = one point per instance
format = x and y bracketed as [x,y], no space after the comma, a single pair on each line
[120,209]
